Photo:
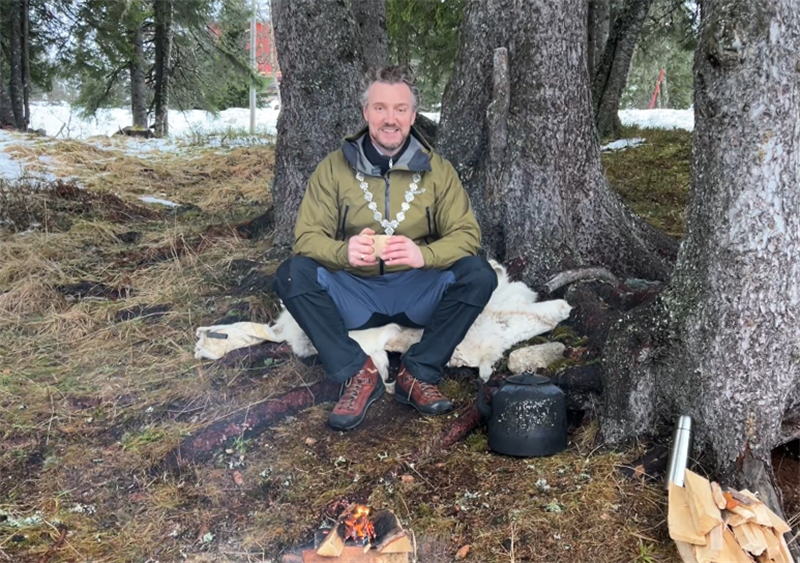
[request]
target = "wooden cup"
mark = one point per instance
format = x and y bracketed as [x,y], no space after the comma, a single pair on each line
[379,241]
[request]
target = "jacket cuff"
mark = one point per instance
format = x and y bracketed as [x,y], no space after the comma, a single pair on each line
[428,257]
[341,255]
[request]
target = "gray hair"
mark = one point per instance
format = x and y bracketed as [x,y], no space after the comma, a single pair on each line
[390,75]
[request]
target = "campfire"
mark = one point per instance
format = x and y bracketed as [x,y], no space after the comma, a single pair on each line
[358,536]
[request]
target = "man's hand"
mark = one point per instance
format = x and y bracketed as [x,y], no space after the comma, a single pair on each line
[360,252]
[402,251]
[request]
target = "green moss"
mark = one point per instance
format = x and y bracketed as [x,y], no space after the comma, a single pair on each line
[654,178]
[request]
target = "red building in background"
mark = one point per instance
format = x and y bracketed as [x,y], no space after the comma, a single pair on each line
[266,57]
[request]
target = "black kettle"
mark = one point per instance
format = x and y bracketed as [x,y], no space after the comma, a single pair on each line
[527,417]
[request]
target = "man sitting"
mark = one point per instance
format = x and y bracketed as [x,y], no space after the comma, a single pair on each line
[385,179]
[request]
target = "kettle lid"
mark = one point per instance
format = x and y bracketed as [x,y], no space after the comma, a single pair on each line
[528,378]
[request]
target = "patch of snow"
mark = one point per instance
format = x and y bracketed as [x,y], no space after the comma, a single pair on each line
[622,144]
[659,118]
[150,199]
[60,120]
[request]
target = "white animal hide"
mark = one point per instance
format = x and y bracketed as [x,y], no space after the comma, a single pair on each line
[512,315]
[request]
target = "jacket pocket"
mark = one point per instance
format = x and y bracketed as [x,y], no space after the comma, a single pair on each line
[341,231]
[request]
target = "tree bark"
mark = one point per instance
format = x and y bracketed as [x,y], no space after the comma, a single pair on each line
[26,63]
[16,82]
[612,71]
[138,88]
[320,57]
[6,114]
[371,22]
[162,15]
[533,170]
[720,344]
[599,27]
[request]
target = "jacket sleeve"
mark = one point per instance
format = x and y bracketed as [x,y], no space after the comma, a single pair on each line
[459,233]
[317,221]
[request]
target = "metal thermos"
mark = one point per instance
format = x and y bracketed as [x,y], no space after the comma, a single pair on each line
[680,452]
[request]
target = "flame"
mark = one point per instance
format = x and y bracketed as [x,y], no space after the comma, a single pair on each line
[357,525]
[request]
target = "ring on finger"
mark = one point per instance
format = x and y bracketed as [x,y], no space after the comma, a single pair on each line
[362,257]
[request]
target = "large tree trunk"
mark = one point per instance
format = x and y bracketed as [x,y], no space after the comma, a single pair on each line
[612,70]
[529,157]
[138,88]
[6,114]
[162,15]
[599,27]
[320,58]
[16,82]
[371,22]
[721,344]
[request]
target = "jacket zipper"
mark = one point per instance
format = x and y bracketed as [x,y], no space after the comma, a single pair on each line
[386,215]
[430,224]
[344,223]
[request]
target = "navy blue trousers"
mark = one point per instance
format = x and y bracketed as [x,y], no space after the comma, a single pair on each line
[445,303]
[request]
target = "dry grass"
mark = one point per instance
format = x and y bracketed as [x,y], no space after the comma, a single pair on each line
[208,178]
[93,398]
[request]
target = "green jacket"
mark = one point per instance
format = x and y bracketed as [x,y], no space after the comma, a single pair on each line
[334,208]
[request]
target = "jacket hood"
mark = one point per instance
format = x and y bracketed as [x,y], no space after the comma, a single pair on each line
[415,158]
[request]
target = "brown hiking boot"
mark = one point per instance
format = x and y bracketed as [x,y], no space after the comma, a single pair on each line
[358,393]
[425,397]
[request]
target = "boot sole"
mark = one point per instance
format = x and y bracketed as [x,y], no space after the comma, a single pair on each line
[371,400]
[402,400]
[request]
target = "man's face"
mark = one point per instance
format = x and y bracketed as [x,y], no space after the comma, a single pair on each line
[390,114]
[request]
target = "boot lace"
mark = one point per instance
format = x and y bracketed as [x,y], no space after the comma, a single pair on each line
[427,390]
[352,388]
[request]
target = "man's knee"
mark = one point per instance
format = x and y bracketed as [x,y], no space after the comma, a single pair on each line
[296,275]
[478,279]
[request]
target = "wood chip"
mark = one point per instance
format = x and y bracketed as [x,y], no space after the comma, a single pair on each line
[705,514]
[463,551]
[679,520]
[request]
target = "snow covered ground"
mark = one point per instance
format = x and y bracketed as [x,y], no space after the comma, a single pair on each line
[62,122]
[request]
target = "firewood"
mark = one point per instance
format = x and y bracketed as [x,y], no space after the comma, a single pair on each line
[400,544]
[773,552]
[719,498]
[751,538]
[713,549]
[759,509]
[732,552]
[739,497]
[745,513]
[732,519]
[686,551]
[390,536]
[787,555]
[705,514]
[679,519]
[333,544]
[355,554]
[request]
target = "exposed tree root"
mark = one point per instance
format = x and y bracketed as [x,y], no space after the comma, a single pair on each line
[250,422]
[571,276]
[652,465]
